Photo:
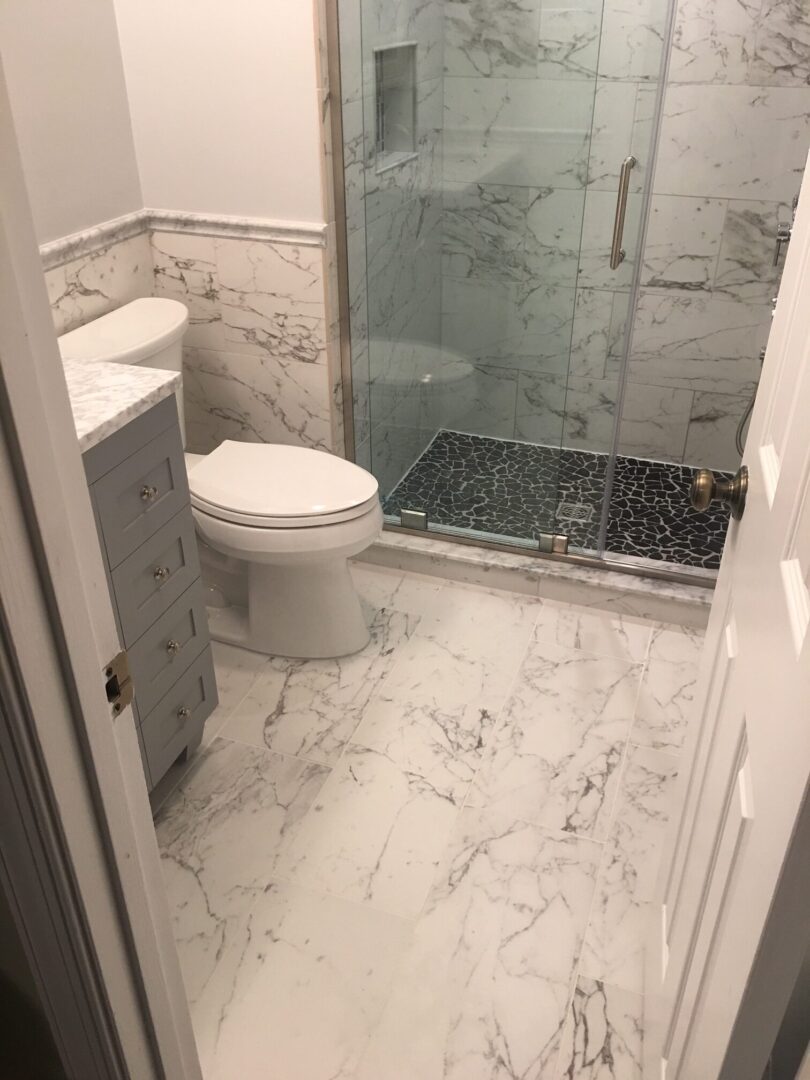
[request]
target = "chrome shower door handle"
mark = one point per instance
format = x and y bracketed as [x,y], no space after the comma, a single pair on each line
[616,250]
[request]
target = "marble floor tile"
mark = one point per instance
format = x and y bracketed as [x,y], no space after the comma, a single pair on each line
[615,940]
[220,835]
[235,670]
[603,1037]
[555,756]
[593,631]
[376,833]
[299,1000]
[434,712]
[311,707]
[667,693]
[485,987]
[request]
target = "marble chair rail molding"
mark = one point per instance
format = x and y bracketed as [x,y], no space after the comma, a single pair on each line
[98,238]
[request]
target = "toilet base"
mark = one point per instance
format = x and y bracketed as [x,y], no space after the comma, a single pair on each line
[307,613]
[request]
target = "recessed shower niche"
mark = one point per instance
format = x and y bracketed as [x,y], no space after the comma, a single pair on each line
[395,104]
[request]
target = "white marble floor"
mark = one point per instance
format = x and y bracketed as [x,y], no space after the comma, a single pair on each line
[432,860]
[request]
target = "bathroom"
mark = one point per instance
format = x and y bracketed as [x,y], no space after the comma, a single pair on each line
[470,300]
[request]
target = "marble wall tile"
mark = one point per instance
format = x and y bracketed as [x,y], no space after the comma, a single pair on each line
[517,131]
[237,807]
[745,269]
[698,343]
[604,1034]
[781,53]
[612,134]
[185,268]
[254,399]
[710,442]
[632,39]
[590,414]
[484,228]
[569,39]
[554,225]
[590,339]
[514,325]
[487,977]
[713,43]
[272,300]
[613,952]
[94,284]
[702,151]
[654,422]
[393,450]
[597,236]
[683,243]
[310,984]
[541,408]
[486,408]
[487,38]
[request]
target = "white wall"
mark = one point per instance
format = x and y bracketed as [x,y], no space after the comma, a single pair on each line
[66,83]
[224,105]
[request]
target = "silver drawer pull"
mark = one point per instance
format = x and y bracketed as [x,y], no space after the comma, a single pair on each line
[148,492]
[172,647]
[183,713]
[160,573]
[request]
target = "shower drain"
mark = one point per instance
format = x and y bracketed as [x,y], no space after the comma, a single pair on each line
[579,512]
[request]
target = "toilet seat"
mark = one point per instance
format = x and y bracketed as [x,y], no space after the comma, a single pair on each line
[271,486]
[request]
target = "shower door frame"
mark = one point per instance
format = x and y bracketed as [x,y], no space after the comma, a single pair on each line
[330,31]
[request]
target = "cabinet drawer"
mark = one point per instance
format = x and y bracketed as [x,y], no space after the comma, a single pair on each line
[154,576]
[162,654]
[141,494]
[177,721]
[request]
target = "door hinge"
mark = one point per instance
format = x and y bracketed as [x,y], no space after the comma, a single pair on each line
[118,683]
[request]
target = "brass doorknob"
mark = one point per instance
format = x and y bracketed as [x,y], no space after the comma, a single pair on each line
[706,489]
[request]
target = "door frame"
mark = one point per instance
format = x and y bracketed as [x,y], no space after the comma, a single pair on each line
[85,855]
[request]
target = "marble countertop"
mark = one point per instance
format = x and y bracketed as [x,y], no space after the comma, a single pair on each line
[105,397]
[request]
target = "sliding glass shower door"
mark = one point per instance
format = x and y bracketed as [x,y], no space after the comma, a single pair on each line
[483,147]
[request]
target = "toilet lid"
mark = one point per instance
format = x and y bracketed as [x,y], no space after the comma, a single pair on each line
[267,484]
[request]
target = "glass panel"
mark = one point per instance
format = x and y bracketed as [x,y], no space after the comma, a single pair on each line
[487,325]
[729,163]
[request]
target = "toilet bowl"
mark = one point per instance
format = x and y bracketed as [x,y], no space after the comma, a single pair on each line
[286,517]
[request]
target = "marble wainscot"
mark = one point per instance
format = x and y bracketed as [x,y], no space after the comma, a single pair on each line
[260,362]
[106,397]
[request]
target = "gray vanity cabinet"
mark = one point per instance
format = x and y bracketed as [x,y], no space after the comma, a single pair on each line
[139,489]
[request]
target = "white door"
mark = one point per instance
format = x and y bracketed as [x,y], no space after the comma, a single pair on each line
[750,744]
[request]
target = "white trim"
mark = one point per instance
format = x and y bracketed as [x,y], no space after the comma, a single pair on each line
[58,608]
[99,237]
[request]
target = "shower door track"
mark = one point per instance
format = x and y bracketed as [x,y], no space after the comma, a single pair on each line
[586,562]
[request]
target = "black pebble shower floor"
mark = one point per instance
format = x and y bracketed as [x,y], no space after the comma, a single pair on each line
[513,489]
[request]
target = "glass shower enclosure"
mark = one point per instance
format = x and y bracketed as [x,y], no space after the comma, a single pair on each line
[497,161]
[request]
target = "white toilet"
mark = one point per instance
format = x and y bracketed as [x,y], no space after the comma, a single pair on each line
[291,516]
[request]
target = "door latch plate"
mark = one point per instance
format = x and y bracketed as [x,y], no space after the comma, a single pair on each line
[118,683]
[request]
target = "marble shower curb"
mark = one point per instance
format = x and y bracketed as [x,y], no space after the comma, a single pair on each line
[662,601]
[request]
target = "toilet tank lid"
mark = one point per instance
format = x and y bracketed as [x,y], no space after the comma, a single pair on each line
[129,334]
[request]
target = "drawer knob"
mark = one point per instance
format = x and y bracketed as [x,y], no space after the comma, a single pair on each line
[161,573]
[183,713]
[173,647]
[148,492]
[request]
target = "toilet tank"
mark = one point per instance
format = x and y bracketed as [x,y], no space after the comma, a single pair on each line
[148,332]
